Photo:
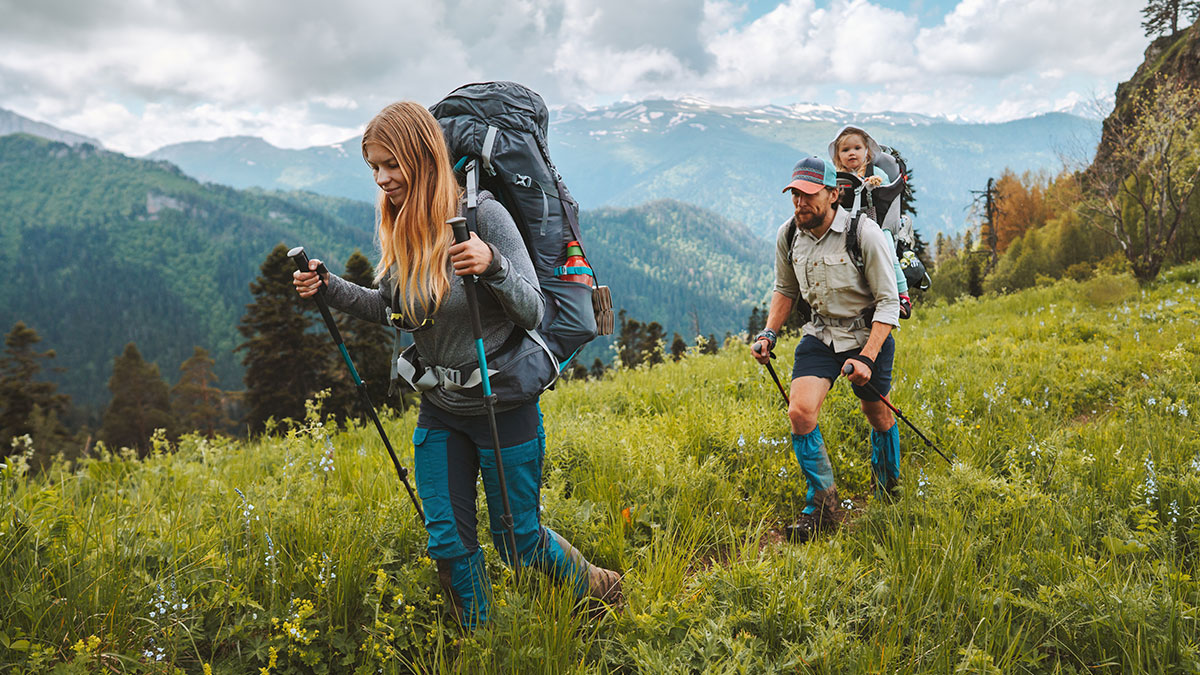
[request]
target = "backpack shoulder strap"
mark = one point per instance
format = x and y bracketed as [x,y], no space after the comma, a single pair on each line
[472,195]
[853,245]
[791,236]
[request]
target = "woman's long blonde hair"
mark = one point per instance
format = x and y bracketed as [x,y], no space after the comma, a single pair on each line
[414,238]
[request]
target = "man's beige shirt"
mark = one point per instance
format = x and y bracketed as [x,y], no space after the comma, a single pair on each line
[820,271]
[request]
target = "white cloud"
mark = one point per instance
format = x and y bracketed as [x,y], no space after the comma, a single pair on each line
[1000,37]
[799,43]
[288,126]
[139,73]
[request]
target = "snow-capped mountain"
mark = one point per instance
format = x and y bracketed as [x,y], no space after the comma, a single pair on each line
[728,159]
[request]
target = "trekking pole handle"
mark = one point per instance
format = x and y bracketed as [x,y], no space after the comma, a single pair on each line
[301,259]
[458,225]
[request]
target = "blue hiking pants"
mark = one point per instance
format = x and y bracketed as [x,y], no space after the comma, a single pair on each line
[451,452]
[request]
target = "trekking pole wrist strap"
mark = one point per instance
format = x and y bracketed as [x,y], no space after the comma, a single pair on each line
[870,363]
[770,336]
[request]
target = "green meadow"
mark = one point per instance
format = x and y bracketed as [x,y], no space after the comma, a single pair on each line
[1063,539]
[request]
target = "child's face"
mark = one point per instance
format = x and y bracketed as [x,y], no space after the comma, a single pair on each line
[852,152]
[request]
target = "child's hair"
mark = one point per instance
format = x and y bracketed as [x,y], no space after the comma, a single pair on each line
[837,146]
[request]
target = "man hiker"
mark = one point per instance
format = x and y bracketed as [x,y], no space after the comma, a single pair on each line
[854,308]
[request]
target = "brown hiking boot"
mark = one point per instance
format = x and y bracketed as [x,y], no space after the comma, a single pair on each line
[826,519]
[809,526]
[604,585]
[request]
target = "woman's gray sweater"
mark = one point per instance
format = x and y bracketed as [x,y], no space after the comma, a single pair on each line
[509,296]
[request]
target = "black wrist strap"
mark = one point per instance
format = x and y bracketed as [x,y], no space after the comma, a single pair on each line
[864,359]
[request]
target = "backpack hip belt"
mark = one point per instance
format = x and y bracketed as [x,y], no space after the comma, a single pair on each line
[423,377]
[852,323]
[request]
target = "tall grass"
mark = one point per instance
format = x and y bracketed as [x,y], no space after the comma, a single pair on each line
[1062,540]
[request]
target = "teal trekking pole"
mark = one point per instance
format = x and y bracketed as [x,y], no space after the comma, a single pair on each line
[459,227]
[301,259]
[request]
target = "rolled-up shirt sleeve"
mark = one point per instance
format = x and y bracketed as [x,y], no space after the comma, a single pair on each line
[786,282]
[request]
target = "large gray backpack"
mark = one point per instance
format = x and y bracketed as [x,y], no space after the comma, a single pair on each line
[883,205]
[496,134]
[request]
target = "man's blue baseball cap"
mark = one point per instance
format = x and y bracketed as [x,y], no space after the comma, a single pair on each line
[811,175]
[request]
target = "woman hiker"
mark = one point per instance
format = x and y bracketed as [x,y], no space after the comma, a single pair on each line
[421,290]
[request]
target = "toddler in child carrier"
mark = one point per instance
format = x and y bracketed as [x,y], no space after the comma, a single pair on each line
[872,181]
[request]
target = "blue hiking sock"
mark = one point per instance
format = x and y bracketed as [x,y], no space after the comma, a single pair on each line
[885,457]
[814,462]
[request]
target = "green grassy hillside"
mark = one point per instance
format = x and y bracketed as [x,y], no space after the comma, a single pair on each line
[1063,541]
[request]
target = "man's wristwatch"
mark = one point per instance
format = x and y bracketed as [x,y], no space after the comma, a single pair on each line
[770,336]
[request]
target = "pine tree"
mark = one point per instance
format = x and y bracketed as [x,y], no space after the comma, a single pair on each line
[908,196]
[140,403]
[1161,17]
[756,322]
[629,341]
[678,347]
[575,371]
[598,369]
[28,406]
[650,343]
[199,406]
[369,345]
[284,356]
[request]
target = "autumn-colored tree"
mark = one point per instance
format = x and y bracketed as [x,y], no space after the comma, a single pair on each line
[1021,204]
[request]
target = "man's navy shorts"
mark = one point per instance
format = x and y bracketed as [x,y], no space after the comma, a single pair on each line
[815,358]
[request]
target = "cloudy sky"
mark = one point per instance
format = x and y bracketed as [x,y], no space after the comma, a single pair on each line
[139,74]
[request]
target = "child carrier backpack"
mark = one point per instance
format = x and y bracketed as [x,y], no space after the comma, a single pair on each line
[882,204]
[496,135]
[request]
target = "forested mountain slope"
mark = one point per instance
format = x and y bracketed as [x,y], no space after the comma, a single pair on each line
[103,249]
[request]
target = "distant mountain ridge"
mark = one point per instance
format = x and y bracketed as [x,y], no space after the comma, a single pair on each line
[12,123]
[732,161]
